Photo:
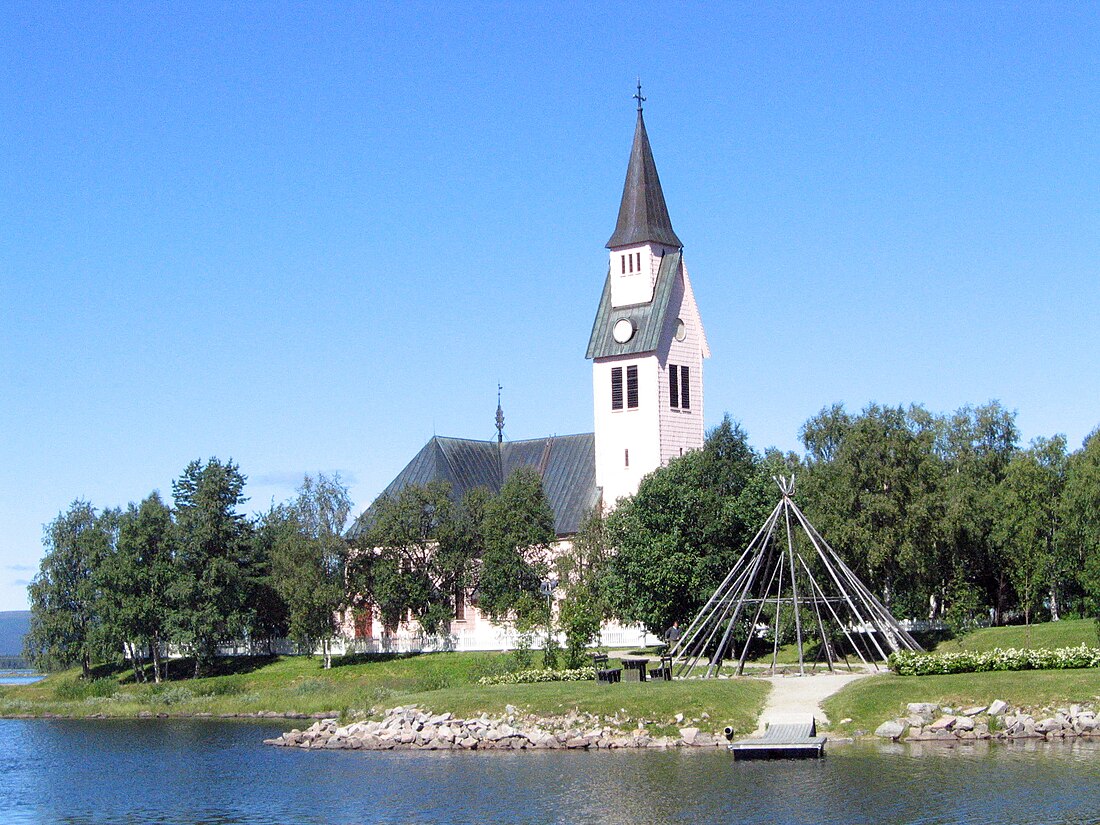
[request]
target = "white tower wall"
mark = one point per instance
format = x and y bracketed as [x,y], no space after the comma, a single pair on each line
[628,443]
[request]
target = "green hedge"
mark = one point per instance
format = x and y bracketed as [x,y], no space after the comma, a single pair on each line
[530,677]
[908,663]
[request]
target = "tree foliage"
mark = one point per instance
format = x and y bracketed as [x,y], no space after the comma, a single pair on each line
[135,581]
[308,559]
[66,607]
[677,537]
[215,563]
[1079,512]
[518,530]
[417,556]
[1026,520]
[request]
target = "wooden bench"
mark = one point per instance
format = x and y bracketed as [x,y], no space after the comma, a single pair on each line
[604,674]
[662,673]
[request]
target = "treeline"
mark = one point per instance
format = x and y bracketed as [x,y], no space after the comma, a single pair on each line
[946,517]
[197,573]
[191,575]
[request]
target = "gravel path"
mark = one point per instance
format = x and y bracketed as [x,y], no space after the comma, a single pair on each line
[795,698]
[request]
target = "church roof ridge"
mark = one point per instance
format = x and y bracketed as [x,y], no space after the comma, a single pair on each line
[643,214]
[510,440]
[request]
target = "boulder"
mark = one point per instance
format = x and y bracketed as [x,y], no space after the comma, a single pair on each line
[997,707]
[974,711]
[689,735]
[925,710]
[943,723]
[891,730]
[1047,725]
[963,723]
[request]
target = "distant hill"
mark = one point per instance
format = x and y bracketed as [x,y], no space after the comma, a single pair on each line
[14,625]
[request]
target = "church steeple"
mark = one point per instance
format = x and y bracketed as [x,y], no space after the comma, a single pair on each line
[643,216]
[647,344]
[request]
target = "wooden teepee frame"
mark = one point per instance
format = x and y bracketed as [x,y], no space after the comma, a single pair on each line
[773,571]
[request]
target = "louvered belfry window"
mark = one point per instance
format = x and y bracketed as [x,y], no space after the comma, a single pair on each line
[632,387]
[616,388]
[679,387]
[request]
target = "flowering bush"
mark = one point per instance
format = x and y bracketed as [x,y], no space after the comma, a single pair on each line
[908,663]
[530,677]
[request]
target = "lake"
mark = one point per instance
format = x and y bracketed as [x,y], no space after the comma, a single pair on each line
[204,771]
[19,677]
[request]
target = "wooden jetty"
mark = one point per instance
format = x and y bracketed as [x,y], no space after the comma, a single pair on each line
[783,740]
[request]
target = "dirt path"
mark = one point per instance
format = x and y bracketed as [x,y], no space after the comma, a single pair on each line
[795,698]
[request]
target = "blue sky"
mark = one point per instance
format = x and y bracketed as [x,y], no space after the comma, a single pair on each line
[308,237]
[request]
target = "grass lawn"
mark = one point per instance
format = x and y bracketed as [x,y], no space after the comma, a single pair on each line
[1066,633]
[436,681]
[734,702]
[870,702]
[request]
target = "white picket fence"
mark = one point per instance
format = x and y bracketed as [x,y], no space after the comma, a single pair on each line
[484,637]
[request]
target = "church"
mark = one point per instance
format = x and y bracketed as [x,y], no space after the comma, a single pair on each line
[646,347]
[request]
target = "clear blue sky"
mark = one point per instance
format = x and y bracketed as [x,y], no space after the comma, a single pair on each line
[308,236]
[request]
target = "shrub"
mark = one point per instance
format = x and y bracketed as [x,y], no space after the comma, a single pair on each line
[521,653]
[227,686]
[172,695]
[79,689]
[909,663]
[530,677]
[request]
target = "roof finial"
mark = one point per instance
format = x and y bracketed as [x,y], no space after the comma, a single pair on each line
[638,95]
[500,417]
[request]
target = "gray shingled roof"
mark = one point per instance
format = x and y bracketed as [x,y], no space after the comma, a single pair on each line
[649,319]
[643,215]
[567,464]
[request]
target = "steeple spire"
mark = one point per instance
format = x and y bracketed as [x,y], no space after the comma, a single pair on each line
[643,215]
[500,417]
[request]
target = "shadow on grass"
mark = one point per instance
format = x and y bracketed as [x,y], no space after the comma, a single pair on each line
[367,658]
[182,670]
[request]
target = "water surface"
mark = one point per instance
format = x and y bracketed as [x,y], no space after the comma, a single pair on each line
[202,771]
[19,677]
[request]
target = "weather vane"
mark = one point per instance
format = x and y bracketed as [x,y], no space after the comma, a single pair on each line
[638,96]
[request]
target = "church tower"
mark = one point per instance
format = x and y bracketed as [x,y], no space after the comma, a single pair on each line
[647,345]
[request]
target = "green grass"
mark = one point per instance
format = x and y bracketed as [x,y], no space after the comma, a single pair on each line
[1066,633]
[734,702]
[437,681]
[870,702]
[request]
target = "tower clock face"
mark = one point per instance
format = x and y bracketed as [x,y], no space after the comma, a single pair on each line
[623,330]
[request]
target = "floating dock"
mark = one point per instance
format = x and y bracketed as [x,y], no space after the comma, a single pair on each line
[783,740]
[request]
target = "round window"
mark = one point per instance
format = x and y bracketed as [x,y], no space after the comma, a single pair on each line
[623,330]
[681,330]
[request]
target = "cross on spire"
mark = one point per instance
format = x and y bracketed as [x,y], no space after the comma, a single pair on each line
[638,95]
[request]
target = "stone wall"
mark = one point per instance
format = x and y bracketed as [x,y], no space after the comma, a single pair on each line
[409,728]
[928,722]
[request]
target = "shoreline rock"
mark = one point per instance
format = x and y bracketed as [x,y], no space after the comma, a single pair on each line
[927,722]
[409,728]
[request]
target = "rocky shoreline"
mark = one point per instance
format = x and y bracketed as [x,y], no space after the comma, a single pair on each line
[409,728]
[928,722]
[148,714]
